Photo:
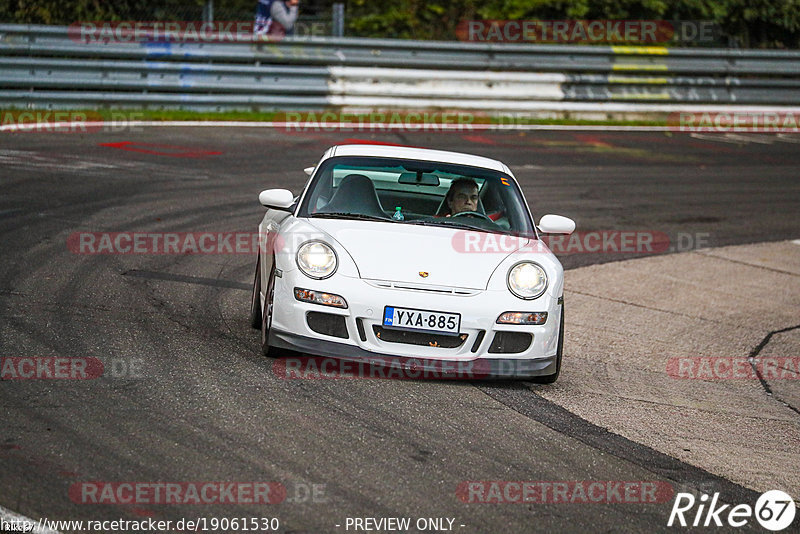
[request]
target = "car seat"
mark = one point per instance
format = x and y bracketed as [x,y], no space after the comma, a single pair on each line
[355,194]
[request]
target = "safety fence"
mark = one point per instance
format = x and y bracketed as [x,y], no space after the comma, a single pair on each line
[51,67]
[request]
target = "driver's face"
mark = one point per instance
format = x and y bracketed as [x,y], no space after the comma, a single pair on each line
[464,199]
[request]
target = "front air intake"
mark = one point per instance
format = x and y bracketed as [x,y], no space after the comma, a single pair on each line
[510,342]
[328,324]
[424,339]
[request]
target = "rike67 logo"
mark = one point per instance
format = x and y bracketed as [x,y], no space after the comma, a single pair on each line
[774,510]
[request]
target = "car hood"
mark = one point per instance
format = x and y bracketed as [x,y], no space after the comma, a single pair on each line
[400,252]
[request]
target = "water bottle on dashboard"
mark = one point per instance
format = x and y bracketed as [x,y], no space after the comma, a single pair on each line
[398,216]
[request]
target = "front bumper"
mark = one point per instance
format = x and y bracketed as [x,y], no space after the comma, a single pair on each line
[477,369]
[366,299]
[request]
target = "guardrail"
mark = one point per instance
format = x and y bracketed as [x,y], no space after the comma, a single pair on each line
[45,66]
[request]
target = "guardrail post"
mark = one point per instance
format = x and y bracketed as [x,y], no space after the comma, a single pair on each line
[338,19]
[208,11]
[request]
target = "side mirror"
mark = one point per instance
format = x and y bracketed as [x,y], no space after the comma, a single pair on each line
[309,170]
[556,224]
[279,199]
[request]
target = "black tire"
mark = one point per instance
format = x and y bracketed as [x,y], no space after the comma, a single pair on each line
[266,316]
[255,303]
[549,379]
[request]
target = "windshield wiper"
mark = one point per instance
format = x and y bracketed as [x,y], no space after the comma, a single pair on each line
[339,215]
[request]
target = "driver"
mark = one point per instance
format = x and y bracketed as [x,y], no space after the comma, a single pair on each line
[462,196]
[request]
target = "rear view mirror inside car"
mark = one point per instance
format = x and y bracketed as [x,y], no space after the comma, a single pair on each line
[419,178]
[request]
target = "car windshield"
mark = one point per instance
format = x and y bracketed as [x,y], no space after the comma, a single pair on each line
[417,192]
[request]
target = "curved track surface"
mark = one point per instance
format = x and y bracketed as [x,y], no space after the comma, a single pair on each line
[203,405]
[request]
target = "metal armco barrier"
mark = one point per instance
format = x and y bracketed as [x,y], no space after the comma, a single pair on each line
[48,67]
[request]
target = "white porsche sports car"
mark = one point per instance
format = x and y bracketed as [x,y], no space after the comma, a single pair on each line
[406,253]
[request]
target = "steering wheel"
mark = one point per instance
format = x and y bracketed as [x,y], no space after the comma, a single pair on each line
[475,214]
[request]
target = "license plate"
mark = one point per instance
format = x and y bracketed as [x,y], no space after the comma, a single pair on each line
[425,320]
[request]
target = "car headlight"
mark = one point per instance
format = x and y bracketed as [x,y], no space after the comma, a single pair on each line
[527,280]
[317,260]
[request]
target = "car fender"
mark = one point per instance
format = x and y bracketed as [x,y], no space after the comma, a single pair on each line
[539,255]
[293,232]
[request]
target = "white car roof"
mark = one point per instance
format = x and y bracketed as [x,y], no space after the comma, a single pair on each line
[425,154]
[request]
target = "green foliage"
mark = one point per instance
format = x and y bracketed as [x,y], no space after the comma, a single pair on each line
[64,13]
[745,23]
[408,19]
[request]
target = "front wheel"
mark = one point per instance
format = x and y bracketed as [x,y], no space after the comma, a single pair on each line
[255,302]
[549,379]
[266,314]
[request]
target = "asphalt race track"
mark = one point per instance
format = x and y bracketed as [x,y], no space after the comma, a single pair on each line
[190,398]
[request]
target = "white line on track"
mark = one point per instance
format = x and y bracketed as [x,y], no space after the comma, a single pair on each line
[716,137]
[761,140]
[788,138]
[322,126]
[13,517]
[796,241]
[299,126]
